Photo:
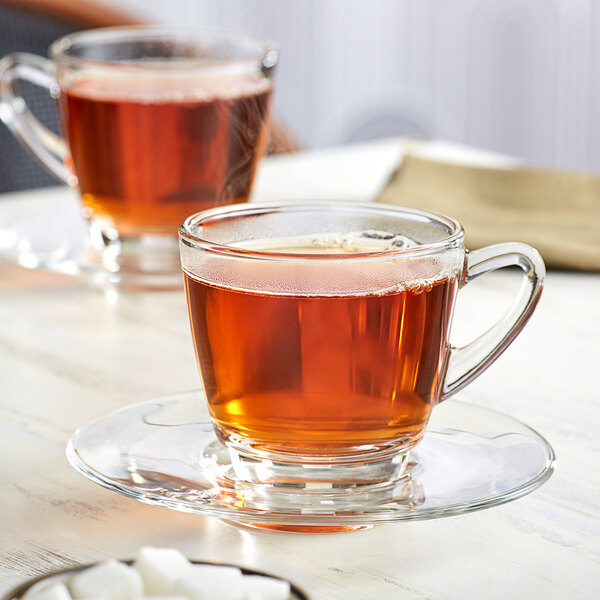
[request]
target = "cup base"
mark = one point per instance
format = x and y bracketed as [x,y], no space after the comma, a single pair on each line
[316,471]
[312,488]
[145,263]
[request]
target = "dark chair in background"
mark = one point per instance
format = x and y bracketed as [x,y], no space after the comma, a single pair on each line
[31,26]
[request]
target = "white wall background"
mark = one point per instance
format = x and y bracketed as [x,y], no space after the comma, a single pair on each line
[516,76]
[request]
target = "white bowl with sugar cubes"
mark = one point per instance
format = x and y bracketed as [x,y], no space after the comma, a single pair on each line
[157,574]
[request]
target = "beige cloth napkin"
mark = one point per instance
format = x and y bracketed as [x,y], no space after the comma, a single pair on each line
[556,212]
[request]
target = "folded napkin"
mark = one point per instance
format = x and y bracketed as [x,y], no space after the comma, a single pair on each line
[556,212]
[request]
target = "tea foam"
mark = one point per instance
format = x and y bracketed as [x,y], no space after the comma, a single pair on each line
[355,242]
[143,89]
[358,263]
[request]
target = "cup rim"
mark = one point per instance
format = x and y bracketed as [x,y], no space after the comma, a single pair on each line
[189,238]
[265,53]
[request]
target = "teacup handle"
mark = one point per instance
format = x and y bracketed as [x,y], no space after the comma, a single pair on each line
[50,149]
[469,361]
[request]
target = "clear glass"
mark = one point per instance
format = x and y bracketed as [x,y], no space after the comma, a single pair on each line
[159,122]
[165,452]
[322,333]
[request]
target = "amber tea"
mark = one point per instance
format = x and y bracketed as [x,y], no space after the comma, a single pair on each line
[315,371]
[148,153]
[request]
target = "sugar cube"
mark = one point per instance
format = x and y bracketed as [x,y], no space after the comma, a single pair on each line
[111,580]
[209,582]
[54,591]
[266,588]
[160,568]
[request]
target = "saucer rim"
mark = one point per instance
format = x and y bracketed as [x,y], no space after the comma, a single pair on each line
[245,516]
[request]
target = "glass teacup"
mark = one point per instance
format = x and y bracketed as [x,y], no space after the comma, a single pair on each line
[321,331]
[159,122]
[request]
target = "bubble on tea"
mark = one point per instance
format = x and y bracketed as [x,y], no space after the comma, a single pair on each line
[394,240]
[332,243]
[369,240]
[419,286]
[374,234]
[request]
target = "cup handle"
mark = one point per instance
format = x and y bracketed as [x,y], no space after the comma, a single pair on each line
[50,149]
[469,361]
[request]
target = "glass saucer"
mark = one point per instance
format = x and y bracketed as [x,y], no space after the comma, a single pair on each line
[164,452]
[45,229]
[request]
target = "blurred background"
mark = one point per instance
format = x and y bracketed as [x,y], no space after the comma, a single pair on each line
[520,77]
[515,76]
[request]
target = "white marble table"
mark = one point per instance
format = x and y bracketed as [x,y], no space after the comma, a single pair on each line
[69,354]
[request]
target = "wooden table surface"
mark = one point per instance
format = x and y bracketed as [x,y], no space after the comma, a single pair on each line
[70,353]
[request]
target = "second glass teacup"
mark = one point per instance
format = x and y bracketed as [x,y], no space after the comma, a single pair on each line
[159,122]
[322,332]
